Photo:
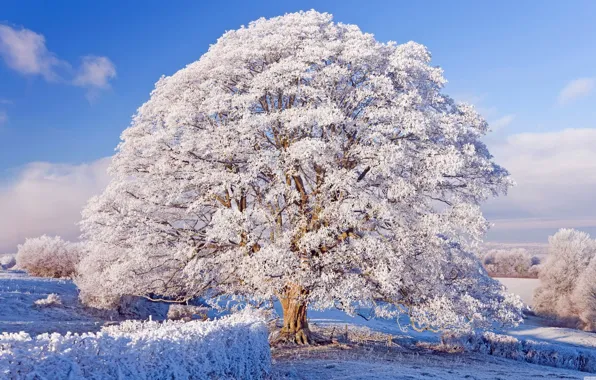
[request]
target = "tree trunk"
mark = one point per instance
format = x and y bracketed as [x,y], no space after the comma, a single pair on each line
[295,328]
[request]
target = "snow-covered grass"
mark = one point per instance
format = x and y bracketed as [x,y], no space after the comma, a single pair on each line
[19,292]
[417,365]
[234,347]
[544,347]
[18,311]
[540,329]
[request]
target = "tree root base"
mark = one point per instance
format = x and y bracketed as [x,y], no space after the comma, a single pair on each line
[300,337]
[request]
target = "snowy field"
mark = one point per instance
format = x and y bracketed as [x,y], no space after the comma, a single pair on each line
[407,357]
[18,311]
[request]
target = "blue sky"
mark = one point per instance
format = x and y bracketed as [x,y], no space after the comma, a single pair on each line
[528,66]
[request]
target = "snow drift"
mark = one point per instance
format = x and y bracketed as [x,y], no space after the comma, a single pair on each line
[232,347]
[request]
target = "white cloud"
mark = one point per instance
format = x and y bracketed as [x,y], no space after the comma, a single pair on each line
[25,51]
[556,179]
[3,117]
[576,89]
[501,122]
[47,198]
[95,72]
[5,101]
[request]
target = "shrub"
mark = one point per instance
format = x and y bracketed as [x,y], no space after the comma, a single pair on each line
[7,261]
[51,300]
[47,256]
[234,347]
[187,312]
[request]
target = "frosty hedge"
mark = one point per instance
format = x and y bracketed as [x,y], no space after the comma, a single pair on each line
[531,351]
[232,347]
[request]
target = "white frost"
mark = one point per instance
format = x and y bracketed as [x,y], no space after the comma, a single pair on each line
[234,347]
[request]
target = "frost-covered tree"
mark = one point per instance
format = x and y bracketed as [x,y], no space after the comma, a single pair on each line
[569,254]
[584,296]
[515,262]
[304,160]
[47,256]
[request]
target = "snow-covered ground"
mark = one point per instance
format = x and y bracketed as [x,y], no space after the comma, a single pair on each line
[537,328]
[412,366]
[18,312]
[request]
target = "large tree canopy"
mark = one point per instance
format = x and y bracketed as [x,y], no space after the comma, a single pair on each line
[302,159]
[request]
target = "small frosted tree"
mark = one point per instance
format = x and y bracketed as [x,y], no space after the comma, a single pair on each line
[302,160]
[584,296]
[47,256]
[569,254]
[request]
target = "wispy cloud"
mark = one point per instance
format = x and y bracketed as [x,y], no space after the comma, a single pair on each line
[47,198]
[556,177]
[5,101]
[501,122]
[576,89]
[94,74]
[3,117]
[25,52]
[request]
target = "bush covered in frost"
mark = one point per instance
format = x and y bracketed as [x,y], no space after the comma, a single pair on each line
[234,347]
[7,261]
[52,299]
[187,312]
[47,256]
[541,353]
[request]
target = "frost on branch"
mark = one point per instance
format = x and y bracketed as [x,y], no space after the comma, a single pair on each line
[304,160]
